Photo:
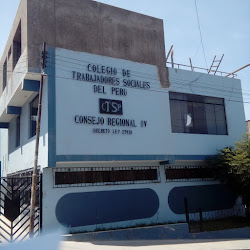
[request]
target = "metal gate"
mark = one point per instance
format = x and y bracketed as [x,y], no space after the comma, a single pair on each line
[15,195]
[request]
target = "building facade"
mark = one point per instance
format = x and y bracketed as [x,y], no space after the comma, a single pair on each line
[248,127]
[123,138]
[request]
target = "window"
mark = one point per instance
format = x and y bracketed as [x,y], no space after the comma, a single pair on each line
[197,114]
[105,176]
[17,46]
[18,131]
[9,54]
[33,116]
[4,74]
[185,173]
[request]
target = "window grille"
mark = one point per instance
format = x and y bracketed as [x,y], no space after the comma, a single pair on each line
[99,176]
[33,115]
[188,173]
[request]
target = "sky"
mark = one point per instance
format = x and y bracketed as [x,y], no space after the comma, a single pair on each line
[224,26]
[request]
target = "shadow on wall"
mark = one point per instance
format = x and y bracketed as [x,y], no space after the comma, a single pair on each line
[95,208]
[205,197]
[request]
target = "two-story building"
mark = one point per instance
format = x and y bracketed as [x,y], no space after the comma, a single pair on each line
[123,137]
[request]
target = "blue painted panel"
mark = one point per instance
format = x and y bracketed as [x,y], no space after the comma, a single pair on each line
[50,71]
[12,110]
[61,158]
[4,125]
[206,197]
[31,85]
[169,158]
[91,208]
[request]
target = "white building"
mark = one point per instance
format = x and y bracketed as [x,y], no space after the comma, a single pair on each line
[123,138]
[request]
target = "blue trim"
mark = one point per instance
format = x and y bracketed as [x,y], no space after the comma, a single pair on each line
[101,207]
[205,197]
[4,125]
[31,85]
[51,107]
[61,158]
[170,158]
[12,110]
[173,158]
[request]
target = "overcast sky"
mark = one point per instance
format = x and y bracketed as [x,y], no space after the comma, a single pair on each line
[225,28]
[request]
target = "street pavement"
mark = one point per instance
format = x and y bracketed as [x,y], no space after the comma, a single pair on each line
[168,237]
[232,244]
[175,236]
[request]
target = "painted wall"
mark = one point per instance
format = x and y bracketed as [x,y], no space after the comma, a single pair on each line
[89,208]
[21,16]
[21,158]
[13,83]
[209,85]
[68,98]
[138,105]
[76,141]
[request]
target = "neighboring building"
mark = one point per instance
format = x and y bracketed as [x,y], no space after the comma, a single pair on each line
[248,127]
[123,137]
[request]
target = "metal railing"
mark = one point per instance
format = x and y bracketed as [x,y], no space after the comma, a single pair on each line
[102,176]
[199,69]
[185,173]
[202,221]
[15,194]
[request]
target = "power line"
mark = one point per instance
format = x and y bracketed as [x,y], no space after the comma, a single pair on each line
[150,90]
[175,80]
[139,73]
[183,84]
[198,20]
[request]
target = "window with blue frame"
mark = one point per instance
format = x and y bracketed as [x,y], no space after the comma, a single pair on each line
[33,116]
[197,114]
[18,131]
[4,74]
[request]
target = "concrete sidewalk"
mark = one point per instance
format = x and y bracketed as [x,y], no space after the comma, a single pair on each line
[175,236]
[158,245]
[162,232]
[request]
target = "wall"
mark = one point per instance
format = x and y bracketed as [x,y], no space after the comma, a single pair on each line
[14,83]
[21,158]
[95,28]
[73,142]
[209,85]
[89,208]
[20,16]
[79,142]
[138,105]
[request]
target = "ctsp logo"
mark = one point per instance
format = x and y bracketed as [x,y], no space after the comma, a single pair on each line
[107,106]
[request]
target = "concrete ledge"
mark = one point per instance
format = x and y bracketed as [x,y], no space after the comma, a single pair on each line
[165,232]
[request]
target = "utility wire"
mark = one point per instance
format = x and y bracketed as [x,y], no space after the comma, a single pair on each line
[198,19]
[183,84]
[150,90]
[132,71]
[176,81]
[188,85]
[142,74]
